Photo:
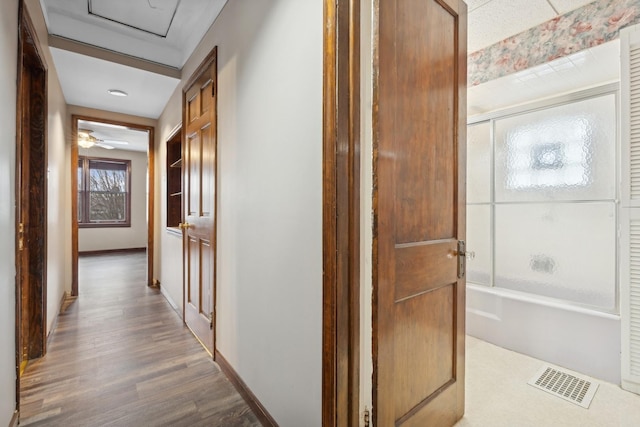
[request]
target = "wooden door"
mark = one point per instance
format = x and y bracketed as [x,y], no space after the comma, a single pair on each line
[419,214]
[199,200]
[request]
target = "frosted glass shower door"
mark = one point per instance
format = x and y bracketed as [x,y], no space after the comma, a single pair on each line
[563,153]
[479,152]
[560,250]
[555,202]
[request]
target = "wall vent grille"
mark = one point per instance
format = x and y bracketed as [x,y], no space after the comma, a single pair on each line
[564,385]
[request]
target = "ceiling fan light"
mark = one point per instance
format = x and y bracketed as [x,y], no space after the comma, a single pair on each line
[117,92]
[85,142]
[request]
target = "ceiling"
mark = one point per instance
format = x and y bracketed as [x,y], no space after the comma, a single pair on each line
[85,81]
[491,21]
[161,31]
[116,136]
[140,46]
[137,46]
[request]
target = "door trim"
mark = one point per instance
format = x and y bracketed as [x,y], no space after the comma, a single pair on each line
[29,50]
[74,200]
[341,214]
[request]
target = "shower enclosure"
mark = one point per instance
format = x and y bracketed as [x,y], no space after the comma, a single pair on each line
[542,219]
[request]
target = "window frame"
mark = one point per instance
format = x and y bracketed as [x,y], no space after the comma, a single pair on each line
[83,194]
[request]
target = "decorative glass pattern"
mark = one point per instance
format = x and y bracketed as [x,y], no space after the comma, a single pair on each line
[561,153]
[559,250]
[543,220]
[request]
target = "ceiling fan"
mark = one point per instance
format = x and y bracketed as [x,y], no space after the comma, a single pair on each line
[86,140]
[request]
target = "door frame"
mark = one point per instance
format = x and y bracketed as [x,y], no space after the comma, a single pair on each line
[341,214]
[74,198]
[34,234]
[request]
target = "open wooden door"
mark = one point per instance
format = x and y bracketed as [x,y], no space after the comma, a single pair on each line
[199,201]
[419,213]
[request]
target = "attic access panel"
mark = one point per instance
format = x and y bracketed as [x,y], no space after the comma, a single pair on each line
[151,16]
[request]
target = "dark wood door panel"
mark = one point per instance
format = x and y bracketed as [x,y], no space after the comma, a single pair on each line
[424,347]
[193,271]
[425,267]
[199,298]
[425,122]
[419,214]
[192,180]
[434,415]
[208,182]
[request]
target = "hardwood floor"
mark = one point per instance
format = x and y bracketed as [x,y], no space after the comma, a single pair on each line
[121,356]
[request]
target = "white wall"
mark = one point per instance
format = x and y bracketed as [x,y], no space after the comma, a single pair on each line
[59,201]
[8,55]
[269,260]
[98,239]
[168,264]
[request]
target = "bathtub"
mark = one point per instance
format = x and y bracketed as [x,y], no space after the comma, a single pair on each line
[580,339]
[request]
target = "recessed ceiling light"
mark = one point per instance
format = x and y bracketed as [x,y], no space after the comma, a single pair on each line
[117,92]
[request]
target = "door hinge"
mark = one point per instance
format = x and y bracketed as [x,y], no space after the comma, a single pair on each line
[463,255]
[462,258]
[211,320]
[20,236]
[213,89]
[366,416]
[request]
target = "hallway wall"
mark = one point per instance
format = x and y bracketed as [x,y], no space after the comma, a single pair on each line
[8,55]
[269,261]
[58,202]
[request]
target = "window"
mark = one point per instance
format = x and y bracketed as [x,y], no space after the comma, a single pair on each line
[541,201]
[104,198]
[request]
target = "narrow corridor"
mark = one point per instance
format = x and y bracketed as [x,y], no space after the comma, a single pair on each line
[121,356]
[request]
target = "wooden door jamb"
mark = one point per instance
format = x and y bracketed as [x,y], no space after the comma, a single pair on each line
[341,214]
[29,51]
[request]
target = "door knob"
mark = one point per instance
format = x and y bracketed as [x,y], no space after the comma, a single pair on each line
[468,254]
[184,225]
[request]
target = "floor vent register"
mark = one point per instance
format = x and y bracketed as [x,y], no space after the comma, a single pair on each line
[564,385]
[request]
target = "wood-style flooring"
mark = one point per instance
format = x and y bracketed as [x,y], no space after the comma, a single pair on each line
[121,356]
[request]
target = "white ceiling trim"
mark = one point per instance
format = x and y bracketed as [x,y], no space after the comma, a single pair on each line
[115,57]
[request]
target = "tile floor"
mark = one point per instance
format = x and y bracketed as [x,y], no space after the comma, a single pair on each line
[498,395]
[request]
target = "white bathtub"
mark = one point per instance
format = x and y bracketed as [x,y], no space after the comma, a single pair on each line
[576,338]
